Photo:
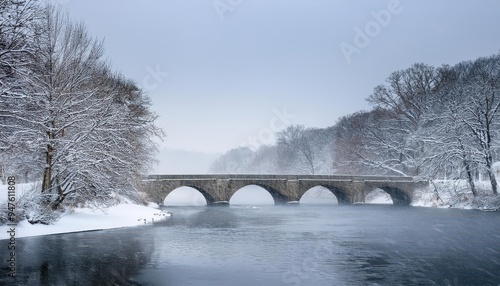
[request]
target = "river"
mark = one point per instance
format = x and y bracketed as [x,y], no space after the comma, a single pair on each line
[282,245]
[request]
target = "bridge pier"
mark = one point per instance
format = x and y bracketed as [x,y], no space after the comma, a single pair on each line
[293,191]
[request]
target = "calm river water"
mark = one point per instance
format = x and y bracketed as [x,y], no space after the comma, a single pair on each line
[304,245]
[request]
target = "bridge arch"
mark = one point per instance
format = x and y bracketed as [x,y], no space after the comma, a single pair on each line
[251,195]
[205,193]
[276,194]
[399,197]
[185,196]
[318,195]
[341,195]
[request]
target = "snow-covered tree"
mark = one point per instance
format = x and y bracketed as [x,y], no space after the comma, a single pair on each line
[88,129]
[316,148]
[289,143]
[370,143]
[431,122]
[482,112]
[409,96]
[264,161]
[16,20]
[305,150]
[452,152]
[235,161]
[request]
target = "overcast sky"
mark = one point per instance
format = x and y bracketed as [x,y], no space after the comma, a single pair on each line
[221,72]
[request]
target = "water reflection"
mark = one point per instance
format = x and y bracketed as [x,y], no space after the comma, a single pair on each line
[80,259]
[201,217]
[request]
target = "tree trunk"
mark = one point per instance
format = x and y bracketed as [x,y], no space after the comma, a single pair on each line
[470,177]
[47,173]
[493,180]
[60,195]
[58,202]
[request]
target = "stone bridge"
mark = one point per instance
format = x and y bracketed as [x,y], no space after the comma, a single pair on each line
[218,189]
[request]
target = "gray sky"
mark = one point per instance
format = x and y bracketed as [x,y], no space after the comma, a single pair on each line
[232,70]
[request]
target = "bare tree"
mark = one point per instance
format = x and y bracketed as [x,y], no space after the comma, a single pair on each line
[233,161]
[16,20]
[408,96]
[90,128]
[265,160]
[452,151]
[482,84]
[372,143]
[305,150]
[288,141]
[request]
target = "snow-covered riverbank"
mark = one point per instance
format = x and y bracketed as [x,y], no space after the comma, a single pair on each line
[126,214]
[84,219]
[457,194]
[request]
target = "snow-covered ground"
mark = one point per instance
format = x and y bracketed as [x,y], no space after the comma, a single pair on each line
[84,219]
[122,215]
[457,194]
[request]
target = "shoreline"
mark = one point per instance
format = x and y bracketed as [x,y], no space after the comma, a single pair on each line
[88,220]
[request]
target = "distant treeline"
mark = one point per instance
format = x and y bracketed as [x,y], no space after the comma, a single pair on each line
[432,122]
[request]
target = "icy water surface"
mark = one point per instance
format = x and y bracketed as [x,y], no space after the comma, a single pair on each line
[303,245]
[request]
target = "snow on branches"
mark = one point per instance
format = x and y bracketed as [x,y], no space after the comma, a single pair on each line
[86,130]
